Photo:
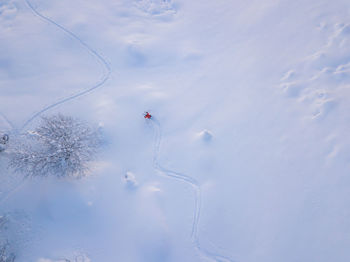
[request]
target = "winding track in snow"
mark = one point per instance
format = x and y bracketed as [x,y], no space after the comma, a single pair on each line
[8,121]
[197,190]
[167,172]
[88,48]
[64,100]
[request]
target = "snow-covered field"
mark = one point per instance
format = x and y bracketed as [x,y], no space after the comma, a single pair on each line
[247,157]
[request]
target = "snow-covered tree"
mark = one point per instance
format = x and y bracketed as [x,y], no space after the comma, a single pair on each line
[61,146]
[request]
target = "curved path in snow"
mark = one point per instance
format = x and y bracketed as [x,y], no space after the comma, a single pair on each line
[104,78]
[197,190]
[88,48]
[7,120]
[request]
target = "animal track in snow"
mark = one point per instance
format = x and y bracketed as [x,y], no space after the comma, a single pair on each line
[316,79]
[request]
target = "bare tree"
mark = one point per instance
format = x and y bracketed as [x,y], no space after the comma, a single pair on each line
[61,146]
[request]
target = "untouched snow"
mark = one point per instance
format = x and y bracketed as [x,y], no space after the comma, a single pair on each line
[246,158]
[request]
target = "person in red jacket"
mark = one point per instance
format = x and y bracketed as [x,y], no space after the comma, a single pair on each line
[147,115]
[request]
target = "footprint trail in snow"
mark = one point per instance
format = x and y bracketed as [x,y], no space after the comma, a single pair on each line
[197,190]
[87,47]
[104,78]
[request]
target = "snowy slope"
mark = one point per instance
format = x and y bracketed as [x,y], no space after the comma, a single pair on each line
[269,80]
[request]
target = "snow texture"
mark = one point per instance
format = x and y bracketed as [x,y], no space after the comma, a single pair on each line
[245,159]
[78,258]
[130,180]
[5,255]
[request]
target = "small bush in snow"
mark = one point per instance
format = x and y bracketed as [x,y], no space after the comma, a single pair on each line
[61,146]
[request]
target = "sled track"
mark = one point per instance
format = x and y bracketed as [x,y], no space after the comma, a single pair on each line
[88,48]
[8,121]
[197,190]
[105,77]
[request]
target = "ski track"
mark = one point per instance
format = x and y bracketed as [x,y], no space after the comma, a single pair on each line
[91,51]
[197,190]
[8,121]
[167,172]
[64,100]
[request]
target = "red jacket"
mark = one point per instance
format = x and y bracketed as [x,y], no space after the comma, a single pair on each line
[147,115]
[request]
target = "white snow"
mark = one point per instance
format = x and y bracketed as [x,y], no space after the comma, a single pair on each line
[130,180]
[246,157]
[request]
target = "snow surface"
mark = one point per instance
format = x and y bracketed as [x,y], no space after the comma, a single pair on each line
[246,158]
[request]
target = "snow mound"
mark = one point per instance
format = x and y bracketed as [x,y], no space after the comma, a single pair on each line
[130,180]
[206,135]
